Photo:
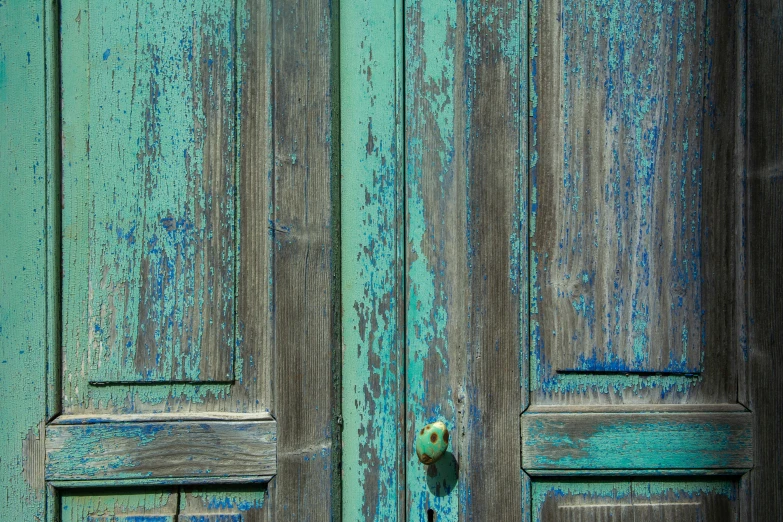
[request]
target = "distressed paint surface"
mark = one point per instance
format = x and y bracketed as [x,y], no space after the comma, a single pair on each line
[646,441]
[216,504]
[634,501]
[250,390]
[120,506]
[149,240]
[138,450]
[617,235]
[465,131]
[372,332]
[636,84]
[434,189]
[236,504]
[23,277]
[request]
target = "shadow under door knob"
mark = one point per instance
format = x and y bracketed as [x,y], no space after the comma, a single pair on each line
[431,442]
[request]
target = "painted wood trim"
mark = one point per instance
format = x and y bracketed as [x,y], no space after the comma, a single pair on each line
[23,264]
[371,251]
[53,209]
[637,408]
[124,450]
[629,441]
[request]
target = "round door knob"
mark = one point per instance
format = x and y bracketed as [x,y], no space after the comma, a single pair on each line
[431,442]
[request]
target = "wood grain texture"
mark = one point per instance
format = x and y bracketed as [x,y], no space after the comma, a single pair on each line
[23,263]
[302,250]
[612,226]
[654,442]
[465,185]
[216,504]
[156,505]
[126,450]
[618,224]
[765,214]
[635,501]
[184,504]
[251,388]
[149,241]
[372,293]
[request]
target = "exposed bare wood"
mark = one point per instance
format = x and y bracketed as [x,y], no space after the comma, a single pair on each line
[304,299]
[765,251]
[155,450]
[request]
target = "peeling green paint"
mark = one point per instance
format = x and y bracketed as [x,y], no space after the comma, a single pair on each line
[371,114]
[430,99]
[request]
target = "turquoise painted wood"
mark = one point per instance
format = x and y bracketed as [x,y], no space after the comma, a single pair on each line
[629,356]
[371,235]
[152,347]
[24,154]
[659,442]
[149,170]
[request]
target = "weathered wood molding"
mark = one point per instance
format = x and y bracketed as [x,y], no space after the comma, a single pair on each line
[160,450]
[659,442]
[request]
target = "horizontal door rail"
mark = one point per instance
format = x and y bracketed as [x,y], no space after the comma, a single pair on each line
[162,451]
[660,442]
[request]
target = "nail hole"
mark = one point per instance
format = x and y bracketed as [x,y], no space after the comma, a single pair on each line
[430,515]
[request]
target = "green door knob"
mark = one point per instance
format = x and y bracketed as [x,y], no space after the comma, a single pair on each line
[431,442]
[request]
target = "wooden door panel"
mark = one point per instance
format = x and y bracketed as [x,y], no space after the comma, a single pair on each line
[584,442]
[151,112]
[134,297]
[172,449]
[599,501]
[149,118]
[636,221]
[216,504]
[618,146]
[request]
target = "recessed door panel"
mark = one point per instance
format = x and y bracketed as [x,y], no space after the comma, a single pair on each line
[149,211]
[618,151]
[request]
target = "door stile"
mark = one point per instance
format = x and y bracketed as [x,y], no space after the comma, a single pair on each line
[371,249]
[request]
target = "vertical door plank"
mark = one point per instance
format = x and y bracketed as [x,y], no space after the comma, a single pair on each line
[23,278]
[302,258]
[465,124]
[371,225]
[495,109]
[435,246]
[765,208]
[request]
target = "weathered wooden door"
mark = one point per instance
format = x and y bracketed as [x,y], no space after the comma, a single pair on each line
[549,224]
[543,212]
[172,332]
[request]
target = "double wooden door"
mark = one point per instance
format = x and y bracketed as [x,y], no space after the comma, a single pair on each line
[256,246]
[542,247]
